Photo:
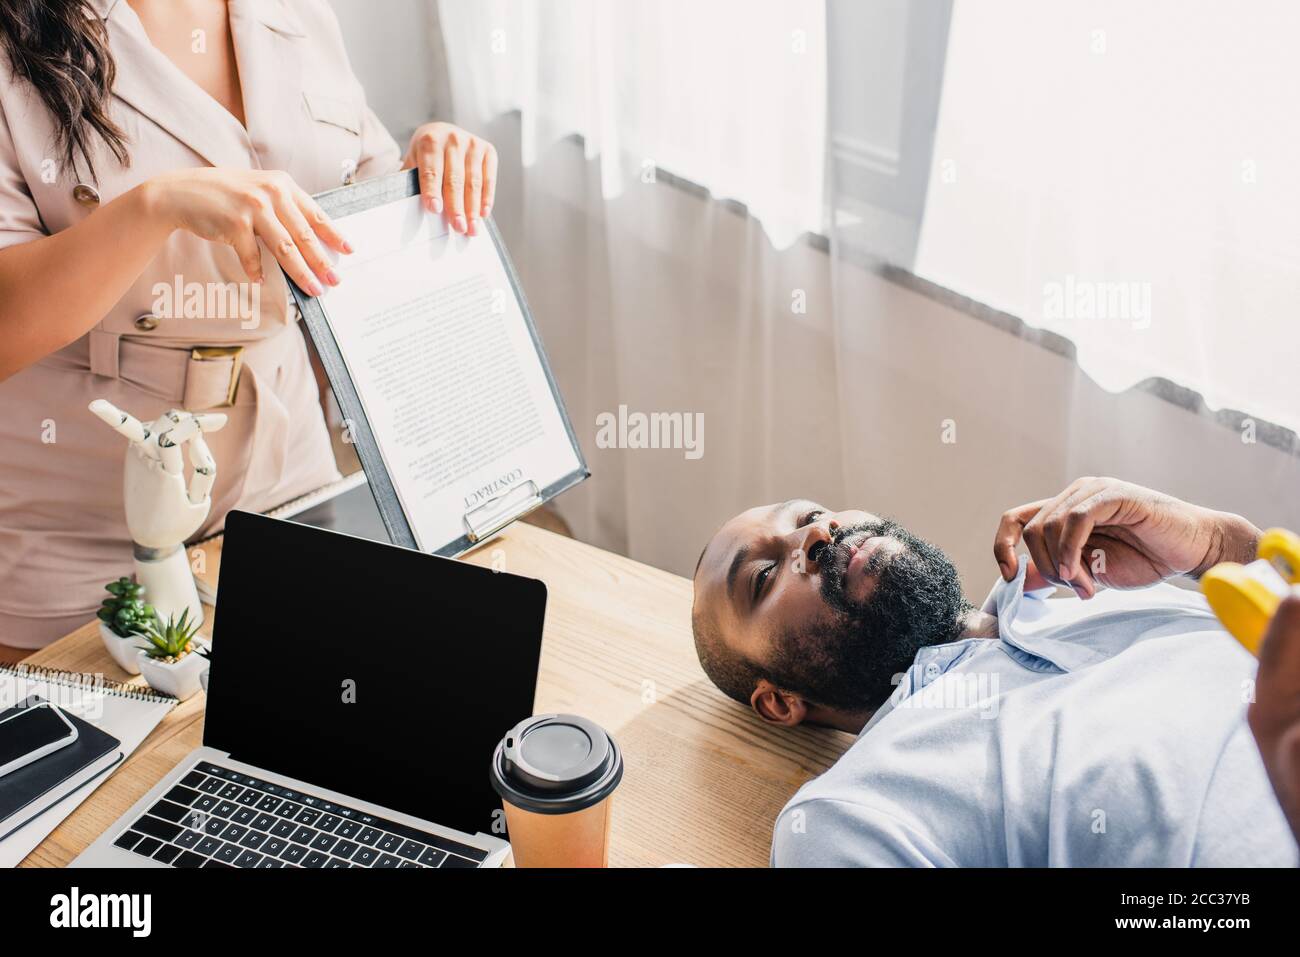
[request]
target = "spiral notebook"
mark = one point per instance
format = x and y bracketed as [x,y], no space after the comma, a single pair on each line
[127,712]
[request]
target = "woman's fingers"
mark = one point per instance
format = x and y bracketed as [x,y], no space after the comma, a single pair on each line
[239,207]
[1010,529]
[297,231]
[320,222]
[427,153]
[489,179]
[474,184]
[277,239]
[453,181]
[457,172]
[244,242]
[304,237]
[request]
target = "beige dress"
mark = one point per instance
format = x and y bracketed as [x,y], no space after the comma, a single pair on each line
[62,527]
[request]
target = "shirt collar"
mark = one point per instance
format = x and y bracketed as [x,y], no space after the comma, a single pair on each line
[1020,633]
[932,662]
[928,666]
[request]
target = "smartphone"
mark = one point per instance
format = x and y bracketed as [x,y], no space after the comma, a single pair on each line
[30,733]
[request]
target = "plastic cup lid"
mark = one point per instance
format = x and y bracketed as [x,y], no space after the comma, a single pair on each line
[556,763]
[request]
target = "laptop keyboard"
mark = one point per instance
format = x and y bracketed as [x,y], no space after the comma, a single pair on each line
[215,817]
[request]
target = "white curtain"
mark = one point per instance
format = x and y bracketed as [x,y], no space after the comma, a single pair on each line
[729,94]
[815,375]
[651,297]
[1125,174]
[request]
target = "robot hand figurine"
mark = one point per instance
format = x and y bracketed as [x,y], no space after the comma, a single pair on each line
[161,512]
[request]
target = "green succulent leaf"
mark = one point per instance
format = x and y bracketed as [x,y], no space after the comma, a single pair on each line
[124,610]
[167,639]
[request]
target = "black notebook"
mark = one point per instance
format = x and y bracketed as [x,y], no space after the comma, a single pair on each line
[31,790]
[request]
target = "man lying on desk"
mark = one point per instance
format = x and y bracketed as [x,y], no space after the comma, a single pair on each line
[1106,728]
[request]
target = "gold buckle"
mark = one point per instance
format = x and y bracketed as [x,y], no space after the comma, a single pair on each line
[217,353]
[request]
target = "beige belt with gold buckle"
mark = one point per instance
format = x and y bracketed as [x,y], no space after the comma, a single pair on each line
[212,354]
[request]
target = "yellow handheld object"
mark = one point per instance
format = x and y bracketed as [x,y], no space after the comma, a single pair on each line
[1245,597]
[1282,549]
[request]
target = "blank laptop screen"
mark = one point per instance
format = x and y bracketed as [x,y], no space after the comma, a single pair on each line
[372,670]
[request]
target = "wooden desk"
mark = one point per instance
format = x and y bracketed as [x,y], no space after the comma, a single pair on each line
[704,779]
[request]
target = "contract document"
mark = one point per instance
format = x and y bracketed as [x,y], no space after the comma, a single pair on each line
[442,379]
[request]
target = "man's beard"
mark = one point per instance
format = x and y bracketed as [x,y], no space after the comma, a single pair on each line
[852,663]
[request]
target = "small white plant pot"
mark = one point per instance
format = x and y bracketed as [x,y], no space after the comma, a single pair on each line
[122,650]
[180,680]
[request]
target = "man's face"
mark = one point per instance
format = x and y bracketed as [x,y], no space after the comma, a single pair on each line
[829,606]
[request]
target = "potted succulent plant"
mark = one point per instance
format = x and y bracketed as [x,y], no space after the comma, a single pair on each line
[170,660]
[122,614]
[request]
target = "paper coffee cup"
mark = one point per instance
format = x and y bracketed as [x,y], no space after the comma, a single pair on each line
[555,774]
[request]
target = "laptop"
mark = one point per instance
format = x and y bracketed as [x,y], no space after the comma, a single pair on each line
[356,693]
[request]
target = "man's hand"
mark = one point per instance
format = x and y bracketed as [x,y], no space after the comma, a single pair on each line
[1275,714]
[1101,532]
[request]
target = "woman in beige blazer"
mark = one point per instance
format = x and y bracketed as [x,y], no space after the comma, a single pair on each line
[151,150]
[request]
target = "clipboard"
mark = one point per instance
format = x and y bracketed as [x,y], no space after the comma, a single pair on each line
[485,518]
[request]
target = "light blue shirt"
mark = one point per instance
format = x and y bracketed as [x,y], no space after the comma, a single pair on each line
[1103,733]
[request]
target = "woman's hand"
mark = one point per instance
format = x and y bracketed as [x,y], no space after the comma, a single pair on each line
[458,172]
[239,207]
[1105,532]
